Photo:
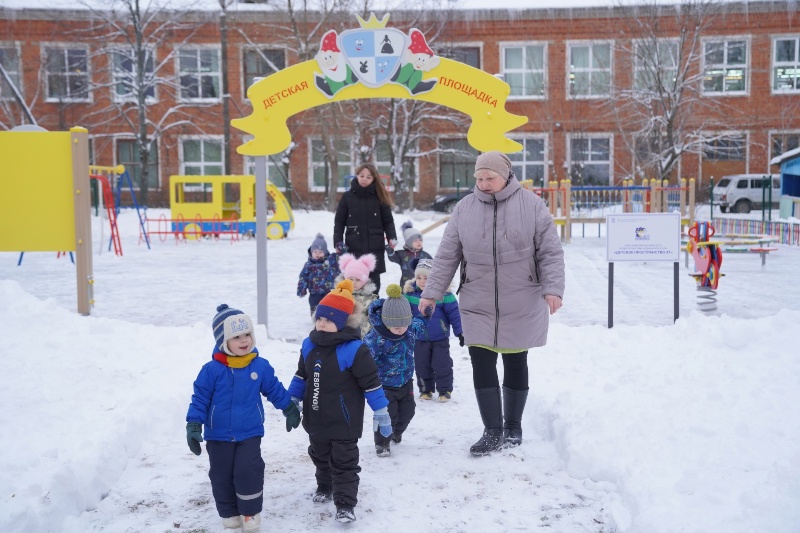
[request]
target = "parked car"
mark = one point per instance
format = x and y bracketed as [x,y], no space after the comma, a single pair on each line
[446,202]
[742,192]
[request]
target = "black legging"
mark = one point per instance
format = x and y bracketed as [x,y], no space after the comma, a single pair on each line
[375,277]
[484,369]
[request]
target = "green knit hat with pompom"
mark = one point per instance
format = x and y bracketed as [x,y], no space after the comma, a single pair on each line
[396,311]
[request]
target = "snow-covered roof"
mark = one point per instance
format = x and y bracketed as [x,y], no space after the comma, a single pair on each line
[791,154]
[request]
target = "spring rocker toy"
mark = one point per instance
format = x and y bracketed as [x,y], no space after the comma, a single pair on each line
[707,261]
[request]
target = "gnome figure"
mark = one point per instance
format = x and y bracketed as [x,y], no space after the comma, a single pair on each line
[417,58]
[337,73]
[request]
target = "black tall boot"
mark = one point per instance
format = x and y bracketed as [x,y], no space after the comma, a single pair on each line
[490,406]
[513,405]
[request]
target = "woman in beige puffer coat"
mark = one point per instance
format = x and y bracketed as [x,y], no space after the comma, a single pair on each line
[512,279]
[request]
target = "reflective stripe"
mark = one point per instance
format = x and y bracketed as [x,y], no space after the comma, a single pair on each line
[249,496]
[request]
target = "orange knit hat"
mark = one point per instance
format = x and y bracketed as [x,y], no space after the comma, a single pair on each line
[338,304]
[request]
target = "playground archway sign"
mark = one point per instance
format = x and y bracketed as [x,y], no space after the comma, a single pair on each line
[372,61]
[375,61]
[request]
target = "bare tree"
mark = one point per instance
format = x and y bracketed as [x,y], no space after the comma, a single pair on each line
[658,116]
[130,32]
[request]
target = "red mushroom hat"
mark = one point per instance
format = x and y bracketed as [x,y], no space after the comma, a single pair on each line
[418,44]
[329,42]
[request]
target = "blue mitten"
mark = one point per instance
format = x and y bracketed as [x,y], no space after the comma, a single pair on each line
[381,421]
[194,436]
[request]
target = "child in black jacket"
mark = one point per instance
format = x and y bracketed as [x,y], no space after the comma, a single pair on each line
[412,249]
[335,374]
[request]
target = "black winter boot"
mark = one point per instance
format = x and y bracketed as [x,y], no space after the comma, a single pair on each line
[490,406]
[513,405]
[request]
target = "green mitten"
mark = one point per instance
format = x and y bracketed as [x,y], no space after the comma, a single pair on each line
[194,436]
[292,414]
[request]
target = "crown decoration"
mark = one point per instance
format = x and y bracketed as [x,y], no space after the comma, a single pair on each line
[373,22]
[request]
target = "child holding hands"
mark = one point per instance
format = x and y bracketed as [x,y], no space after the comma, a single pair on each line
[227,400]
[334,376]
[391,341]
[412,249]
[319,272]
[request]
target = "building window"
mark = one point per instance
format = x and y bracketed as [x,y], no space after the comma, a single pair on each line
[786,64]
[456,164]
[383,161]
[319,166]
[199,70]
[67,73]
[725,66]
[589,69]
[128,155]
[201,157]
[781,143]
[656,64]
[275,169]
[529,164]
[727,148]
[260,64]
[469,55]
[590,160]
[524,70]
[126,85]
[9,58]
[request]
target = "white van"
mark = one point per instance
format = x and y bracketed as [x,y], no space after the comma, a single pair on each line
[742,192]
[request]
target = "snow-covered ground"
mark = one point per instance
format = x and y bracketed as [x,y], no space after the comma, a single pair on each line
[649,427]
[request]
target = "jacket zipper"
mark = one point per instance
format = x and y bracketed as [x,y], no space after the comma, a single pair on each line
[494,255]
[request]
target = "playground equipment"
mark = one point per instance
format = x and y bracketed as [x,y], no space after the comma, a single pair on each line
[707,260]
[52,168]
[214,205]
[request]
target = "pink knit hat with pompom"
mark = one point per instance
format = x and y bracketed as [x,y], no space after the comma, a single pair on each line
[357,268]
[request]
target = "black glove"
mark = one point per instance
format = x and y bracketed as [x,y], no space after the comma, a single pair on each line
[341,247]
[292,414]
[194,437]
[389,249]
[460,339]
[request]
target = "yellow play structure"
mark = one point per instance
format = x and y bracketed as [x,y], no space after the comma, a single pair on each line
[211,205]
[48,171]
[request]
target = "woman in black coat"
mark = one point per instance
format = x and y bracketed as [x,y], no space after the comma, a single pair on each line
[363,217]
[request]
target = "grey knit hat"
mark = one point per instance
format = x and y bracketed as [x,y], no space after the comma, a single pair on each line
[423,266]
[396,311]
[496,161]
[410,233]
[318,244]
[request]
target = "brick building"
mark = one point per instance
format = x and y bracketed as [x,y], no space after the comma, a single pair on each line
[609,92]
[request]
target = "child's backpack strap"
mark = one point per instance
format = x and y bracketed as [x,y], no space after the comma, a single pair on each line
[307,347]
[346,353]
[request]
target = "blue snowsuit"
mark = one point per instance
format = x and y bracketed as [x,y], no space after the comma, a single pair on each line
[432,358]
[317,278]
[394,355]
[227,402]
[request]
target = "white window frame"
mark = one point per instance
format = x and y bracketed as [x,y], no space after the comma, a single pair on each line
[590,136]
[730,133]
[774,64]
[43,47]
[545,152]
[773,133]
[317,164]
[197,48]
[210,138]
[247,48]
[378,164]
[118,77]
[115,138]
[249,163]
[637,67]
[591,69]
[524,70]
[13,46]
[746,68]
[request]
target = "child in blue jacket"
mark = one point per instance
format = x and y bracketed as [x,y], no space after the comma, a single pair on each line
[334,376]
[391,341]
[319,272]
[227,401]
[432,351]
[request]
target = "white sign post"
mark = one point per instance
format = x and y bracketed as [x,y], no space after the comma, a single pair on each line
[642,237]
